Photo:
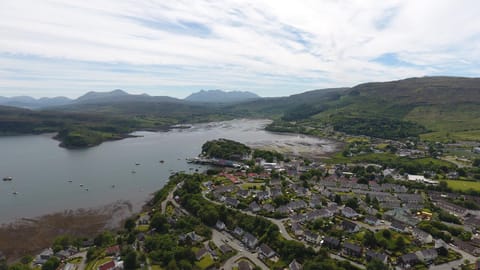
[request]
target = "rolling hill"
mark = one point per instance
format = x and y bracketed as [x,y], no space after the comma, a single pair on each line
[219,96]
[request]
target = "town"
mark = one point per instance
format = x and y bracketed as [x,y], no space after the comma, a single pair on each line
[258,209]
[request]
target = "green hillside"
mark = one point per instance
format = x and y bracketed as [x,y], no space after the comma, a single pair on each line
[435,108]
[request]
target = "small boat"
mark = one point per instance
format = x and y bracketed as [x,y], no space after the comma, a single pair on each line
[7,178]
[137,164]
[86,189]
[162,161]
[70,181]
[133,171]
[81,185]
[14,193]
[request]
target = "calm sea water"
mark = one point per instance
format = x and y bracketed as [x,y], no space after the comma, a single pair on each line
[41,170]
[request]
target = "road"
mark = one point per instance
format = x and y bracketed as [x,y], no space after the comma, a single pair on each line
[279,222]
[457,263]
[83,262]
[222,238]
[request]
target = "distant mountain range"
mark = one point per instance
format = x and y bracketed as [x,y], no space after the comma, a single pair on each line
[118,95]
[432,108]
[219,96]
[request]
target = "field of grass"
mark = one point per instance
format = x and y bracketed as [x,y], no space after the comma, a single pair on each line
[156,267]
[252,185]
[205,262]
[463,185]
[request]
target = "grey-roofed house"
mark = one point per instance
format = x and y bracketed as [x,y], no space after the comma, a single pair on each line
[283,209]
[266,251]
[398,226]
[372,255]
[249,240]
[297,229]
[231,202]
[312,237]
[427,255]
[220,225]
[254,207]
[331,242]
[351,249]
[201,253]
[350,227]
[294,265]
[268,208]
[371,220]
[422,236]
[238,231]
[244,265]
[408,260]
[349,212]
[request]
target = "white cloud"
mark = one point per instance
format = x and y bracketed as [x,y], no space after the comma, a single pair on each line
[273,47]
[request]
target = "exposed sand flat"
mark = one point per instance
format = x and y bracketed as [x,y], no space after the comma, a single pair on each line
[28,236]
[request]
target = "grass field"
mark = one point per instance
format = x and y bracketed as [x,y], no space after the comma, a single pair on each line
[463,185]
[205,262]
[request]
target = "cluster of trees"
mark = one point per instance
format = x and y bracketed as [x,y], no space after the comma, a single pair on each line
[378,127]
[301,112]
[225,149]
[269,156]
[440,230]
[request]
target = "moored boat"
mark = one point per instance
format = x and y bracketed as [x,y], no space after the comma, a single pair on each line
[7,178]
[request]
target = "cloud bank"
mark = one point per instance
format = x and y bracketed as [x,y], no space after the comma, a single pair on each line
[273,47]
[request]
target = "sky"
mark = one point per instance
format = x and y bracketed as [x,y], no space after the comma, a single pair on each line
[270,47]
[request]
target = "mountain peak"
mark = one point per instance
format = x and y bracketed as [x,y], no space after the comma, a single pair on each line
[220,96]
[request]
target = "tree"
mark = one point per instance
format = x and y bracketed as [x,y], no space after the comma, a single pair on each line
[352,203]
[387,234]
[51,264]
[129,224]
[160,223]
[130,260]
[400,243]
[369,239]
[476,162]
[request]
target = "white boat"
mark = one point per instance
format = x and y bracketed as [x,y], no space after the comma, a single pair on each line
[7,178]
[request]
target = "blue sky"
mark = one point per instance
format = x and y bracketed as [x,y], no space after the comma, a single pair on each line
[271,47]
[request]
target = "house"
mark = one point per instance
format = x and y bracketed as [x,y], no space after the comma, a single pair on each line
[266,251]
[350,227]
[331,242]
[220,225]
[297,229]
[63,254]
[300,217]
[427,255]
[398,226]
[249,240]
[349,213]
[408,260]
[201,253]
[191,236]
[283,209]
[352,249]
[296,205]
[312,237]
[263,195]
[422,236]
[371,220]
[238,231]
[268,208]
[294,265]
[244,265]
[229,201]
[244,193]
[225,249]
[107,266]
[372,255]
[44,256]
[254,207]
